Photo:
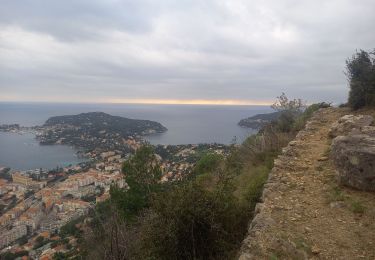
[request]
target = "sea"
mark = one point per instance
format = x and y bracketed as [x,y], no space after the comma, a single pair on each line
[187,124]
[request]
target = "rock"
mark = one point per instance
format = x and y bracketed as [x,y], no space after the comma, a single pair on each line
[337,204]
[368,130]
[288,249]
[349,122]
[315,250]
[323,158]
[354,158]
[261,222]
[246,256]
[258,208]
[308,230]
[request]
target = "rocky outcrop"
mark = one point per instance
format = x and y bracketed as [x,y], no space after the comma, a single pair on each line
[354,155]
[367,130]
[303,214]
[349,122]
[263,240]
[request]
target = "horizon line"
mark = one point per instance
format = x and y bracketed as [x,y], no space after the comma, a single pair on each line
[207,102]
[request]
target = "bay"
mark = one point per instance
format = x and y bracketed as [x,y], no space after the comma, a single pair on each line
[187,124]
[23,152]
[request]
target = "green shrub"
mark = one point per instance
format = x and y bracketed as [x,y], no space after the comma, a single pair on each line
[58,256]
[142,173]
[12,256]
[337,194]
[71,229]
[301,120]
[208,163]
[293,113]
[357,207]
[360,70]
[286,121]
[289,109]
[190,222]
[23,240]
[254,187]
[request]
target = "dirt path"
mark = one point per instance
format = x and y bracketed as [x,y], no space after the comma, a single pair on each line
[305,214]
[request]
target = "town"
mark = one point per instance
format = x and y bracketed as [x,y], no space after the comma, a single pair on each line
[38,202]
[35,205]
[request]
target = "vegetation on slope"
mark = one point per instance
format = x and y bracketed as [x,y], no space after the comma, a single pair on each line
[259,120]
[204,216]
[93,123]
[360,71]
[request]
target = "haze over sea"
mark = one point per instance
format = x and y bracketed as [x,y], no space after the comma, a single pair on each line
[187,124]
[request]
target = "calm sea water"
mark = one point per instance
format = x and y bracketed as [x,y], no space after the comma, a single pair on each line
[186,124]
[23,152]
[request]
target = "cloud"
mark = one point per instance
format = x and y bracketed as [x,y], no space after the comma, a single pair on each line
[180,50]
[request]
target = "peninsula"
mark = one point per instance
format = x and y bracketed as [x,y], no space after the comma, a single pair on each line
[259,120]
[96,130]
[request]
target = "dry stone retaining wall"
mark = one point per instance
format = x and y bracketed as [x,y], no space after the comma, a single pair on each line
[304,213]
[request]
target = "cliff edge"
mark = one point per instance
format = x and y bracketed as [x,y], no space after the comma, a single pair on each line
[304,213]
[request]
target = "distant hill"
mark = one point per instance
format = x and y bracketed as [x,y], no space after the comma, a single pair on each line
[259,120]
[96,130]
[94,122]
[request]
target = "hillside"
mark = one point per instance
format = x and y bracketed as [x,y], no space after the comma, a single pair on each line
[304,213]
[98,121]
[96,130]
[259,120]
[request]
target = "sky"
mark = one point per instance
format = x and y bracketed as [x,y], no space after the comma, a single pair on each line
[233,52]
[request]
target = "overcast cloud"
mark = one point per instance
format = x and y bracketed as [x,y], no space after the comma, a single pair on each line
[91,50]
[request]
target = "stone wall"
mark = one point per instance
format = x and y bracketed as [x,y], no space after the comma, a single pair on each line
[295,218]
[260,240]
